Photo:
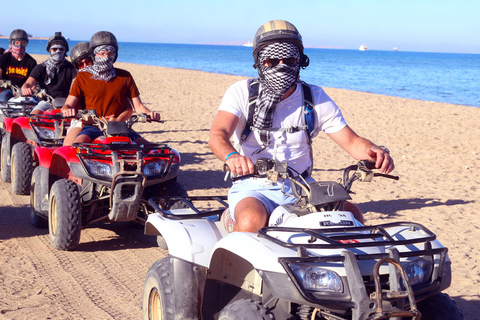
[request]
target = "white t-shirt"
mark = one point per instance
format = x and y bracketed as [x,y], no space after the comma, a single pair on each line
[291,147]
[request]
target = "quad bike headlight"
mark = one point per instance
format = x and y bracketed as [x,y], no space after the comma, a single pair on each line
[154,168]
[98,168]
[45,133]
[314,278]
[419,270]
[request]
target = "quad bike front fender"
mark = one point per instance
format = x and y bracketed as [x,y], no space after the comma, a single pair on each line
[43,156]
[191,240]
[261,253]
[7,124]
[21,129]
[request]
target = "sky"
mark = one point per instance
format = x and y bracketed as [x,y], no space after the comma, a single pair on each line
[409,25]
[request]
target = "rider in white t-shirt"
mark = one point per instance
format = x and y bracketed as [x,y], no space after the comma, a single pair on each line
[278,127]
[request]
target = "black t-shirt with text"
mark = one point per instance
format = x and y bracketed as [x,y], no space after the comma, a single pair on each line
[16,71]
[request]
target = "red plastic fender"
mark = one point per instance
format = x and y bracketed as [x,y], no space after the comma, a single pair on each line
[68,153]
[8,124]
[44,156]
[19,124]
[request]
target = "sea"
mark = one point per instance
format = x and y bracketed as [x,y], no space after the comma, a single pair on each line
[440,77]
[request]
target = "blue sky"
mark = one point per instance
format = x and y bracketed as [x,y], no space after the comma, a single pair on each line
[409,25]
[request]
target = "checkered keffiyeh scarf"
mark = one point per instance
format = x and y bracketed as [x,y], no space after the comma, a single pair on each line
[53,64]
[102,68]
[274,83]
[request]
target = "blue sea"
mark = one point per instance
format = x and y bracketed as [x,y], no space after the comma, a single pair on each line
[441,77]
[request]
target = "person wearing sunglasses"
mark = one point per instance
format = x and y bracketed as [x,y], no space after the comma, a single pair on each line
[54,75]
[110,91]
[275,116]
[15,64]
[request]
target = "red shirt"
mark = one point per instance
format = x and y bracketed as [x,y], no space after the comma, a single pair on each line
[107,98]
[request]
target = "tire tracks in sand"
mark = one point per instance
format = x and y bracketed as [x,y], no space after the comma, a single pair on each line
[102,279]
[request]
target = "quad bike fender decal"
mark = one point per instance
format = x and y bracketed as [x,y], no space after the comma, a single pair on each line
[261,253]
[191,240]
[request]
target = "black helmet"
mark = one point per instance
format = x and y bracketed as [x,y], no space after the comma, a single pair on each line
[79,51]
[278,31]
[57,39]
[104,38]
[18,34]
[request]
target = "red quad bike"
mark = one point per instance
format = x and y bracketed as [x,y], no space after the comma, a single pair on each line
[17,106]
[110,179]
[46,130]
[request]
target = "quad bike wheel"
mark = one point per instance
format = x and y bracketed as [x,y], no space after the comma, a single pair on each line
[64,215]
[158,295]
[5,165]
[21,168]
[245,309]
[35,202]
[439,307]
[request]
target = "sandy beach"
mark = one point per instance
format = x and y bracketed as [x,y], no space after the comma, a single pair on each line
[436,150]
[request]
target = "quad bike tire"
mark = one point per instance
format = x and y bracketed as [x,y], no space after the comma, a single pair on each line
[64,215]
[158,295]
[245,309]
[4,165]
[439,307]
[35,202]
[21,168]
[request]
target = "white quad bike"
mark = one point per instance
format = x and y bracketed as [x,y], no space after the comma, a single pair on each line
[312,261]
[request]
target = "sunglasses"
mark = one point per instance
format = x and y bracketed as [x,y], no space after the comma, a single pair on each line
[274,62]
[19,43]
[83,63]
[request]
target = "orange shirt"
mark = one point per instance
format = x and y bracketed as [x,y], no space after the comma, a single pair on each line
[107,98]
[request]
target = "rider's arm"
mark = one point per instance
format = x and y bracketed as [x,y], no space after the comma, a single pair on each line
[222,129]
[69,108]
[27,88]
[362,149]
[140,108]
[124,115]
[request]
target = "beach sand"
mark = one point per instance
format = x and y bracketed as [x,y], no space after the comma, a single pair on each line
[436,150]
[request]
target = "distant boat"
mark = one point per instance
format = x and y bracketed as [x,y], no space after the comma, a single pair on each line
[248,44]
[395,49]
[363,47]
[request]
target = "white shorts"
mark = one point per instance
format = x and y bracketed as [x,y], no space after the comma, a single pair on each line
[269,194]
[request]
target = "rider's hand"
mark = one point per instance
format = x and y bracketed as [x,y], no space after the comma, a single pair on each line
[383,160]
[154,116]
[68,112]
[27,91]
[240,165]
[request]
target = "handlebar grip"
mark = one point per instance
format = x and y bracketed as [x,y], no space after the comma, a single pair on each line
[389,176]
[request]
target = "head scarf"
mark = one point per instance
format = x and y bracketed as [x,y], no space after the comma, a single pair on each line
[56,60]
[102,68]
[274,81]
[18,52]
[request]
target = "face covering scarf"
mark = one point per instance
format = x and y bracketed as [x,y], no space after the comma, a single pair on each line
[53,64]
[102,68]
[275,81]
[17,52]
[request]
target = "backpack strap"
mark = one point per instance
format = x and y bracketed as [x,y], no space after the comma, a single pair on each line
[308,111]
[253,87]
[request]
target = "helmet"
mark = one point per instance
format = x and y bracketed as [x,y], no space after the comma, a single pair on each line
[80,51]
[278,31]
[103,38]
[57,39]
[18,34]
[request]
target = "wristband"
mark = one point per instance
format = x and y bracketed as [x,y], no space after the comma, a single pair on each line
[228,155]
